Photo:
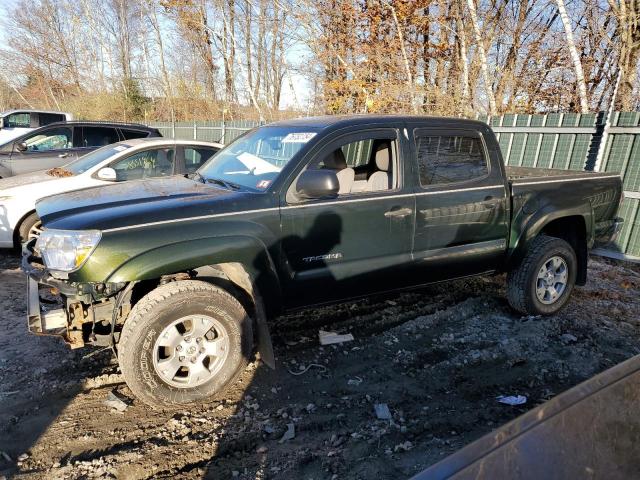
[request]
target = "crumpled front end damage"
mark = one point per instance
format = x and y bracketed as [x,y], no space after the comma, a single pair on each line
[80,313]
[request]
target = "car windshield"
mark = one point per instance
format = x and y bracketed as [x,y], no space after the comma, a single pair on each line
[92,159]
[255,160]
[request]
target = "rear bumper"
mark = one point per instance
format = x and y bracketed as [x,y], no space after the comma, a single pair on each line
[610,232]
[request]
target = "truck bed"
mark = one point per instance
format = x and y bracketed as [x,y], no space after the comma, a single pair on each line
[518,175]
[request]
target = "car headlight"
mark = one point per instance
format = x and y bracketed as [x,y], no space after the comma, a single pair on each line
[66,250]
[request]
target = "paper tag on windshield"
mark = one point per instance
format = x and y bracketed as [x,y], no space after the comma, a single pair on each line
[298,137]
[263,183]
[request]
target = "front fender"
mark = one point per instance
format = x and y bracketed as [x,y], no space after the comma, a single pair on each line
[191,254]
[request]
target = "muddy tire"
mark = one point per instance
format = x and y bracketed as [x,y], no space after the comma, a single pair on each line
[184,342]
[543,281]
[29,228]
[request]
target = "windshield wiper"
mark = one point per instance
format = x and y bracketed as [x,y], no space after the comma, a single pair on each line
[224,183]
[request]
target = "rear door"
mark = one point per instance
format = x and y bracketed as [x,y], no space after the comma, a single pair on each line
[90,137]
[461,205]
[43,149]
[356,243]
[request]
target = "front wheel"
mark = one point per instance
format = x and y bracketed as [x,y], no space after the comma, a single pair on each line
[30,228]
[184,342]
[542,283]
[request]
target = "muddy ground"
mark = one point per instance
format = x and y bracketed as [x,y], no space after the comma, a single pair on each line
[438,357]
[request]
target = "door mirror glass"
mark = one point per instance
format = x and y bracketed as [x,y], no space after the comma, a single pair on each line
[107,174]
[21,147]
[317,184]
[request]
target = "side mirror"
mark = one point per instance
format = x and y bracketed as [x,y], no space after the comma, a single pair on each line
[318,184]
[21,147]
[1,122]
[107,174]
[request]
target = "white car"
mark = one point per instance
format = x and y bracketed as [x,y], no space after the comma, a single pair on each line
[14,123]
[128,160]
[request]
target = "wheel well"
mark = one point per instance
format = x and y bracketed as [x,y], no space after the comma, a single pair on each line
[235,280]
[572,230]
[16,231]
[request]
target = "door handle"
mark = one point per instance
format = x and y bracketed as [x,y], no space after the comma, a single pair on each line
[398,213]
[63,155]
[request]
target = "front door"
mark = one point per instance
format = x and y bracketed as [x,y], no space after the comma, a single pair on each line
[360,241]
[461,205]
[42,150]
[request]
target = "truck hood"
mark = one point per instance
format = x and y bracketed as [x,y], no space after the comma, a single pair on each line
[137,202]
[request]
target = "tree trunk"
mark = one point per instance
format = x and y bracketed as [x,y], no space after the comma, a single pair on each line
[577,64]
[483,58]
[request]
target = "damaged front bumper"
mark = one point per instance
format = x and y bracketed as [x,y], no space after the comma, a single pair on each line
[80,313]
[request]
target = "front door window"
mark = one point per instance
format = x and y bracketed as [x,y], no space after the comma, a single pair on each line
[58,138]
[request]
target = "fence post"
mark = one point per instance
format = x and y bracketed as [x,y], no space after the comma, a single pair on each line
[173,129]
[224,131]
[195,130]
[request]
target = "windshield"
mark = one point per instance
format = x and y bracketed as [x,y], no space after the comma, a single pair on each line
[92,159]
[254,160]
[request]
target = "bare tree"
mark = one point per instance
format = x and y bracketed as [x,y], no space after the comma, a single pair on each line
[575,58]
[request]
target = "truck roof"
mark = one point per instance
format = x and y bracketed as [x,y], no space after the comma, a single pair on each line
[327,121]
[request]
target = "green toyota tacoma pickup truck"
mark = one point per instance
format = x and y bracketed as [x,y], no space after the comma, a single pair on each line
[180,275]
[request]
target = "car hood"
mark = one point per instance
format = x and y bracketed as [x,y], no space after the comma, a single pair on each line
[26,179]
[137,202]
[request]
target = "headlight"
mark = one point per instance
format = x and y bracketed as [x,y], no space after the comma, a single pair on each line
[66,250]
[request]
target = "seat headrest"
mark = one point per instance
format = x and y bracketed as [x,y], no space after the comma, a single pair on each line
[383,156]
[335,160]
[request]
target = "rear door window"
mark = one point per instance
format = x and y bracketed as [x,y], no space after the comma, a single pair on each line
[195,157]
[93,136]
[129,134]
[147,164]
[47,118]
[455,158]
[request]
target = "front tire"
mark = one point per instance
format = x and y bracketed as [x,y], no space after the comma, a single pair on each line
[184,342]
[31,227]
[543,281]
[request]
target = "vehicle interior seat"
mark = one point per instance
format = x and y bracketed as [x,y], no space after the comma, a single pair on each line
[336,161]
[381,178]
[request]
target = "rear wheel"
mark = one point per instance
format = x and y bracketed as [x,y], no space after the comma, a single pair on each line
[31,227]
[184,342]
[544,280]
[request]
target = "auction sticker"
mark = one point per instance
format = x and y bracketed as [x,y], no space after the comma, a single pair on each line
[263,184]
[298,137]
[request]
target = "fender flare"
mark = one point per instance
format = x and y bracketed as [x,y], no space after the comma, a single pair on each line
[245,261]
[541,218]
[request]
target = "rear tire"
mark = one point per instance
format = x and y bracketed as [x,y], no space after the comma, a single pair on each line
[543,281]
[31,227]
[179,324]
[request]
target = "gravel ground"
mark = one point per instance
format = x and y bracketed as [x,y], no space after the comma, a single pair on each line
[438,357]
